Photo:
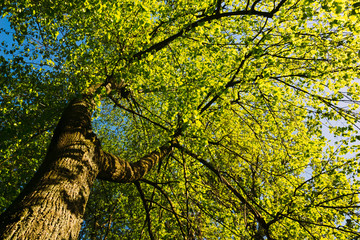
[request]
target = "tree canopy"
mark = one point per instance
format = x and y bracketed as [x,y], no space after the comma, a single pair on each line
[263,94]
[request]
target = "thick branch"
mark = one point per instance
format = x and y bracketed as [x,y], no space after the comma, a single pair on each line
[116,169]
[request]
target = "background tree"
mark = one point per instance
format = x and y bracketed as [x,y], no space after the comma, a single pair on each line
[253,90]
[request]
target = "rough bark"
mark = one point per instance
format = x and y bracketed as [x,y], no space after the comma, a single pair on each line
[53,203]
[116,169]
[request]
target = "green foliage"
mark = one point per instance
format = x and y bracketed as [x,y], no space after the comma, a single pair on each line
[259,88]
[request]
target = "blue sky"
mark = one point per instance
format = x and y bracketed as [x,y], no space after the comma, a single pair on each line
[6,38]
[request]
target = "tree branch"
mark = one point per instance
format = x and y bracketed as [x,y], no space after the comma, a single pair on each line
[231,83]
[252,12]
[117,103]
[252,209]
[115,169]
[147,210]
[172,210]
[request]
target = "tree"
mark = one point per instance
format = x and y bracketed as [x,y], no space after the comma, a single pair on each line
[232,99]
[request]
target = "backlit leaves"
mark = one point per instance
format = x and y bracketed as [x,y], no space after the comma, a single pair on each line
[254,86]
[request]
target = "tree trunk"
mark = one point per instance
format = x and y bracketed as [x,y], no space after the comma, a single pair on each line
[53,203]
